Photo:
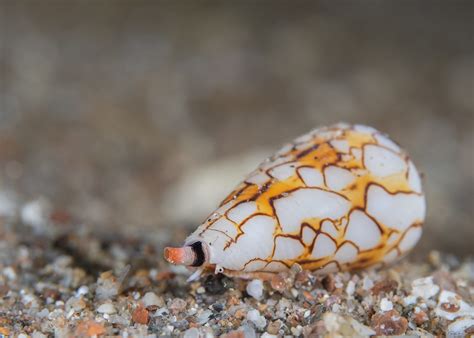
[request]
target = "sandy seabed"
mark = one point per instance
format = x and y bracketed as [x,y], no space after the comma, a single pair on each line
[57,278]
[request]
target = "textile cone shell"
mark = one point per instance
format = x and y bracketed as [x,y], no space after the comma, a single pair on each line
[338,198]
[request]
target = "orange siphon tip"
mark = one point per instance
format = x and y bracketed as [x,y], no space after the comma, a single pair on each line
[180,256]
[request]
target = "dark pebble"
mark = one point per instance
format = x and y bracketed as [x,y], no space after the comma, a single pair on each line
[181,324]
[218,307]
[216,284]
[156,324]
[178,291]
[384,286]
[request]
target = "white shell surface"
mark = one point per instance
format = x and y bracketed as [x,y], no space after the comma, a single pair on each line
[292,210]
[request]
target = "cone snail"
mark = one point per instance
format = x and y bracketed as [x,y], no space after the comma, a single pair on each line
[342,197]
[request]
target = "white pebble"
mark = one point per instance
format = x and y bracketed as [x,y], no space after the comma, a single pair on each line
[337,283]
[192,333]
[106,308]
[424,287]
[161,312]
[268,335]
[459,327]
[350,288]
[331,321]
[70,314]
[43,313]
[255,288]
[38,334]
[35,213]
[83,290]
[409,300]
[271,302]
[386,305]
[204,316]
[22,335]
[451,298]
[150,298]
[153,273]
[200,290]
[8,204]
[296,331]
[30,300]
[248,331]
[367,283]
[10,273]
[283,304]
[255,317]
[360,329]
[136,295]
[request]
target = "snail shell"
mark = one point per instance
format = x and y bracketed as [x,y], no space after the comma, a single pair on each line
[338,198]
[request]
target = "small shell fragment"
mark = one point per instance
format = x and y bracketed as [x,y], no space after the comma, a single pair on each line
[338,198]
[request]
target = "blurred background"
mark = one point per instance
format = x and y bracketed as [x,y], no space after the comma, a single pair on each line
[137,117]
